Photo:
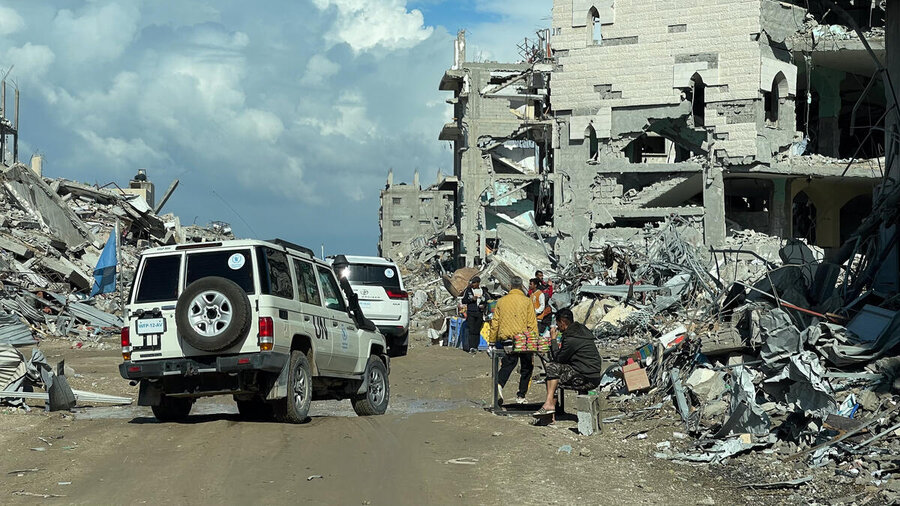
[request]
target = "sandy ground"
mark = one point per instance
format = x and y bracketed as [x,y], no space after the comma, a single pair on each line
[436,445]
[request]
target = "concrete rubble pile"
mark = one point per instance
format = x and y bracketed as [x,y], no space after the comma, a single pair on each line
[760,345]
[795,356]
[52,232]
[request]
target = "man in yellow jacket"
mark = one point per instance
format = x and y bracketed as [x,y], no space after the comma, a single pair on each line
[514,315]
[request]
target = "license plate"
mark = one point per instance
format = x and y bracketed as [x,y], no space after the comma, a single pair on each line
[151,326]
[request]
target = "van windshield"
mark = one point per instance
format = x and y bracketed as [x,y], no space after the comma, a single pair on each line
[373,275]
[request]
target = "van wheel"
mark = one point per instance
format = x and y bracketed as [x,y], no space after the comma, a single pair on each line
[255,409]
[172,409]
[295,407]
[378,394]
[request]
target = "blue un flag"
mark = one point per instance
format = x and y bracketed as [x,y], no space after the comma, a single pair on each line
[105,272]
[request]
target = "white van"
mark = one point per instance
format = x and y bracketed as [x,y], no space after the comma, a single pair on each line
[382,296]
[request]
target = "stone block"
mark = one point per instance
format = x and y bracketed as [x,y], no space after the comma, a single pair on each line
[16,248]
[590,409]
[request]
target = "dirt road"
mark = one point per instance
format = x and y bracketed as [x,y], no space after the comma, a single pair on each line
[436,445]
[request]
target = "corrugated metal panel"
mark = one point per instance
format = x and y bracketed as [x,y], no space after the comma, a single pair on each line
[12,366]
[94,316]
[13,332]
[88,313]
[28,310]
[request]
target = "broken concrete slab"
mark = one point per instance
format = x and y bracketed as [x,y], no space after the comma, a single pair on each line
[707,384]
[15,247]
[522,253]
[32,194]
[69,271]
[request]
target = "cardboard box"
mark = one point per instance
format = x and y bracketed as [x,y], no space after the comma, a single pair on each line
[636,380]
[631,367]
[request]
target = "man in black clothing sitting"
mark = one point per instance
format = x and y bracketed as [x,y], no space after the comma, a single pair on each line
[577,364]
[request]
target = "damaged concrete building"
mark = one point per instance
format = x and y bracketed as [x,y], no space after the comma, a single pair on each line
[410,214]
[740,113]
[502,148]
[747,114]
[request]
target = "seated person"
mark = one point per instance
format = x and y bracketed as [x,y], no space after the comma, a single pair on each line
[577,364]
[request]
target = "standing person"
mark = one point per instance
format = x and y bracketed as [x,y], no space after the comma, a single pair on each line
[541,304]
[545,286]
[473,299]
[577,365]
[514,315]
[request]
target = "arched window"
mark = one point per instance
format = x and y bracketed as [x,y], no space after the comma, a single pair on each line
[593,145]
[593,25]
[698,99]
[773,99]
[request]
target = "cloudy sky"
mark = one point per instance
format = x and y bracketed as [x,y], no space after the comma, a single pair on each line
[281,117]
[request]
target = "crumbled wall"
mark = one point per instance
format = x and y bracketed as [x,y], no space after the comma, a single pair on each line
[648,53]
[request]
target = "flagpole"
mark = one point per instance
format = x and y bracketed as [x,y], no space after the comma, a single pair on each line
[119,286]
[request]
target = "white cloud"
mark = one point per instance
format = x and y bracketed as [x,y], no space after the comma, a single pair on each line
[119,152]
[10,21]
[351,120]
[497,39]
[318,69]
[101,33]
[31,61]
[386,23]
[263,125]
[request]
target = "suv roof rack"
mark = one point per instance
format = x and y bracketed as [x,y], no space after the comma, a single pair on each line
[288,244]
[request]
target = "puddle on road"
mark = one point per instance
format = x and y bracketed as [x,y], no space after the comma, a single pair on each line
[208,406]
[221,406]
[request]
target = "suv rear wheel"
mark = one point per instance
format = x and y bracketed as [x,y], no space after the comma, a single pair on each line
[295,408]
[378,394]
[172,409]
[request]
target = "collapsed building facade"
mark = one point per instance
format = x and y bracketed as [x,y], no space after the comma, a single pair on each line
[750,114]
[742,122]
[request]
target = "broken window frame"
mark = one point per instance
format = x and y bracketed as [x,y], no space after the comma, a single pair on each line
[772,100]
[698,100]
[594,29]
[593,142]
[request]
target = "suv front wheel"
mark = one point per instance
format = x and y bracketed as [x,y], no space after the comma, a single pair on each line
[378,394]
[295,408]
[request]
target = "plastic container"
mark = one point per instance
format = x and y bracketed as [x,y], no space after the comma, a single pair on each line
[456,331]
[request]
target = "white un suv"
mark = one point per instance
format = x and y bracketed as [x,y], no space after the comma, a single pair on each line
[382,295]
[263,321]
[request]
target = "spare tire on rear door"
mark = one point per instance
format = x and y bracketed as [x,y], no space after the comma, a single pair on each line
[213,314]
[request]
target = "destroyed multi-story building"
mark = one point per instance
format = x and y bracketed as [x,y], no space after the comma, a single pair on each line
[746,114]
[742,113]
[410,214]
[502,147]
